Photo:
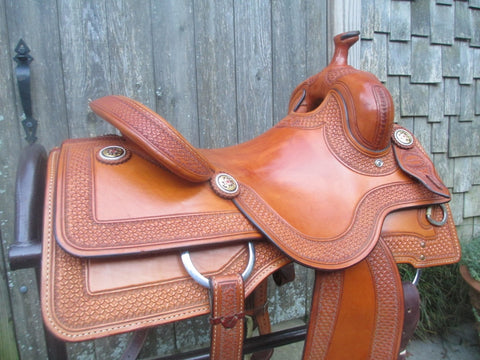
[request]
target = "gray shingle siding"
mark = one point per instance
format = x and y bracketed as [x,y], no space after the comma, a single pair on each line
[428,55]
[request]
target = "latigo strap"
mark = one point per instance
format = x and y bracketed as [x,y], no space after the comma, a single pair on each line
[228,313]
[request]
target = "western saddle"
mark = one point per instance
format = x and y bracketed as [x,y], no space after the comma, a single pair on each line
[145,229]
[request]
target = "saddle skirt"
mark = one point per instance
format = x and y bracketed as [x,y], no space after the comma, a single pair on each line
[111,255]
[138,207]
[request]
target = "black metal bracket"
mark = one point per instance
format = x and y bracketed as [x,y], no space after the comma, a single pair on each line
[22,72]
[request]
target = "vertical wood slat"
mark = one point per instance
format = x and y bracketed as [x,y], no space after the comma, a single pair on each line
[345,16]
[175,74]
[317,41]
[290,35]
[36,23]
[85,59]
[173,36]
[316,60]
[253,57]
[215,61]
[130,49]
[289,56]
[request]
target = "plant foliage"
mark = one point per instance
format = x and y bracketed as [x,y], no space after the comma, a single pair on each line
[471,257]
[444,299]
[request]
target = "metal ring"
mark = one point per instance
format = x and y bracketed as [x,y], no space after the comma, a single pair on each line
[300,101]
[433,221]
[416,279]
[202,280]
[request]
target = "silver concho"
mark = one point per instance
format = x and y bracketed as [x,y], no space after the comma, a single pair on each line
[403,137]
[112,153]
[226,183]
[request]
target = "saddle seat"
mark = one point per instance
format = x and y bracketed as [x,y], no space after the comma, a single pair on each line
[318,184]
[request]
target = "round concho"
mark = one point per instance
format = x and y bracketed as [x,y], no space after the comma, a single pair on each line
[403,138]
[225,185]
[113,154]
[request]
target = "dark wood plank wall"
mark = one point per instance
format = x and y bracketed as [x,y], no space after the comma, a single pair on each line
[219,71]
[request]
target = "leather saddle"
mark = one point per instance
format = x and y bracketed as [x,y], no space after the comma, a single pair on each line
[145,229]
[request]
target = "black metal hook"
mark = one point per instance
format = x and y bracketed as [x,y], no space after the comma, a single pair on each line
[22,72]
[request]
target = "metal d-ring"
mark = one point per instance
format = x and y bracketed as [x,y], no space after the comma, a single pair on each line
[433,221]
[202,280]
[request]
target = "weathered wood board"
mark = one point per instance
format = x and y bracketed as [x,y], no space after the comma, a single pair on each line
[220,71]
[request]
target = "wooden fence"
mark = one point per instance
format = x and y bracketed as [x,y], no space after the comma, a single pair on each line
[220,71]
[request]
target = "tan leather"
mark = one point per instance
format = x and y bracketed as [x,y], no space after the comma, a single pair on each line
[347,218]
[338,158]
[414,161]
[370,126]
[414,240]
[227,319]
[158,138]
[309,94]
[93,297]
[407,232]
[135,206]
[357,314]
[258,302]
[259,310]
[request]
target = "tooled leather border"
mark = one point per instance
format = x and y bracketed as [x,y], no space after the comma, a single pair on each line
[329,115]
[441,249]
[154,131]
[344,249]
[389,296]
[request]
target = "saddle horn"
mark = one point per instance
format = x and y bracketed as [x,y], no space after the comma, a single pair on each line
[343,42]
[309,94]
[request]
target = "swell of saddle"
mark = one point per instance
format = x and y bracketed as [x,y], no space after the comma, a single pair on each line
[368,103]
